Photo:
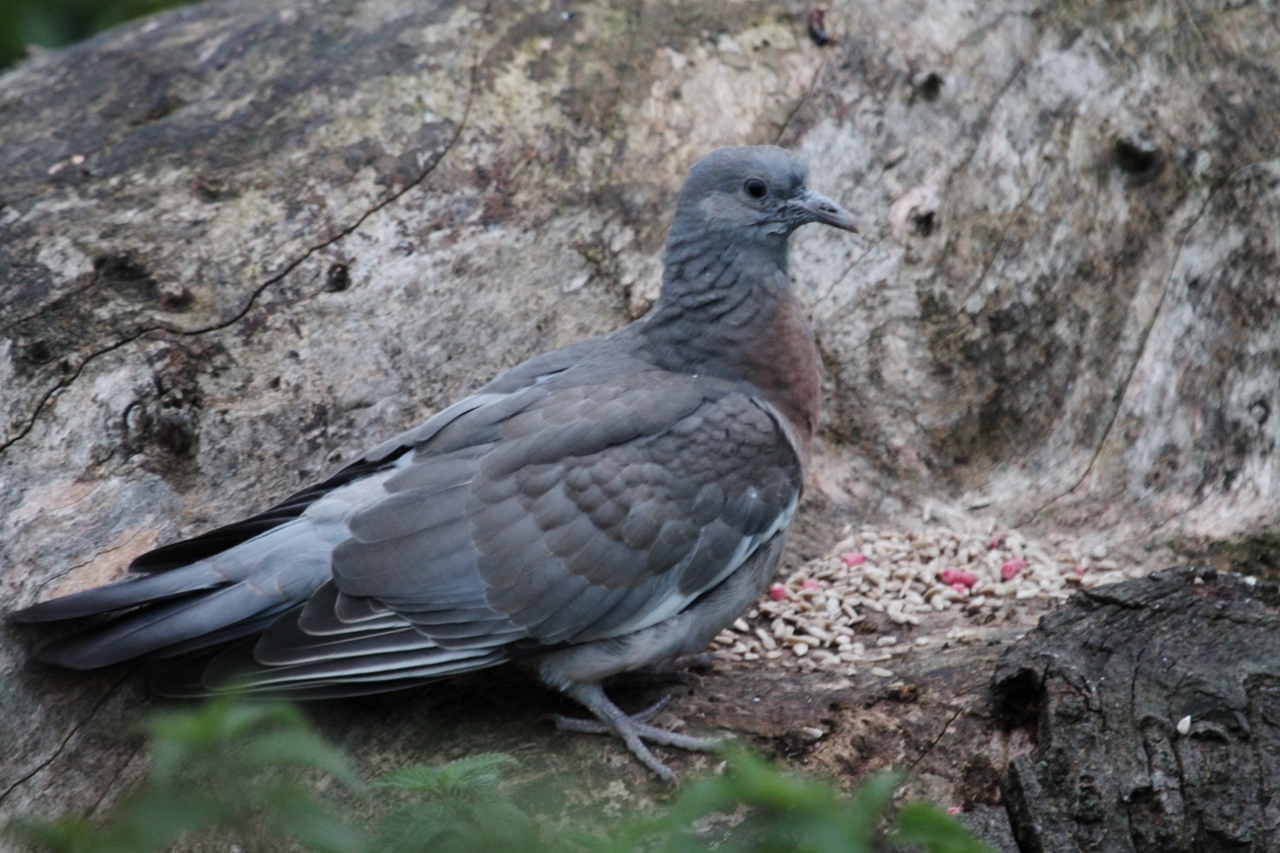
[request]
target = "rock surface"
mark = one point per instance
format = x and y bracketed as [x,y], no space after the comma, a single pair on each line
[241,241]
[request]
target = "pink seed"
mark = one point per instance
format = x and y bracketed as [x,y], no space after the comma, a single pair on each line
[953,810]
[1011,567]
[997,541]
[959,587]
[777,592]
[955,578]
[809,583]
[1079,570]
[853,558]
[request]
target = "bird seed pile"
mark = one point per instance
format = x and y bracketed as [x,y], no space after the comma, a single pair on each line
[855,607]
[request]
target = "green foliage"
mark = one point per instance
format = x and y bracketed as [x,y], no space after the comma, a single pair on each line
[783,812]
[928,825]
[456,807]
[51,23]
[457,778]
[225,765]
[240,769]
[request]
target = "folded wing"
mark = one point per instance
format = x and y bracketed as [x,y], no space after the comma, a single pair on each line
[560,513]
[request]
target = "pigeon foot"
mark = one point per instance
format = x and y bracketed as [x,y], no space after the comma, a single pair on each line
[633,729]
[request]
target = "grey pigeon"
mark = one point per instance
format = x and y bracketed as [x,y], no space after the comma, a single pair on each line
[603,507]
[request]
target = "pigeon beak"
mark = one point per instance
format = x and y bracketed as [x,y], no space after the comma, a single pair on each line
[819,208]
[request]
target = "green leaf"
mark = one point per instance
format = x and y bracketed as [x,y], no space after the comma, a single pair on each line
[870,802]
[180,737]
[921,823]
[292,811]
[299,747]
[474,773]
[67,834]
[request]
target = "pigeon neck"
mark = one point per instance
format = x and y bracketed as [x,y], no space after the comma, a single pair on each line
[729,312]
[717,283]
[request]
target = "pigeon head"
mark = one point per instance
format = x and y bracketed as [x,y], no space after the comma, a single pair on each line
[752,194]
[733,219]
[726,308]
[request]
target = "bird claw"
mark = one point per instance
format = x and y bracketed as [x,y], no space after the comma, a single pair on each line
[633,729]
[595,727]
[639,722]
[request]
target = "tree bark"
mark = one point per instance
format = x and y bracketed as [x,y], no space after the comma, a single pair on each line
[242,241]
[1152,706]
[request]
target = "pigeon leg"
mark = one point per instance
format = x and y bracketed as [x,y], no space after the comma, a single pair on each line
[673,671]
[595,727]
[633,730]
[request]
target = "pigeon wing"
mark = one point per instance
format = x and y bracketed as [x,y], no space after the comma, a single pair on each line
[648,501]
[584,512]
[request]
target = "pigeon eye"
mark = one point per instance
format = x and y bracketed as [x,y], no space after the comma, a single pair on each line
[756,188]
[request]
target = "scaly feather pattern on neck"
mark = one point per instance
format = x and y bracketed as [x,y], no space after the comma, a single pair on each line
[727,310]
